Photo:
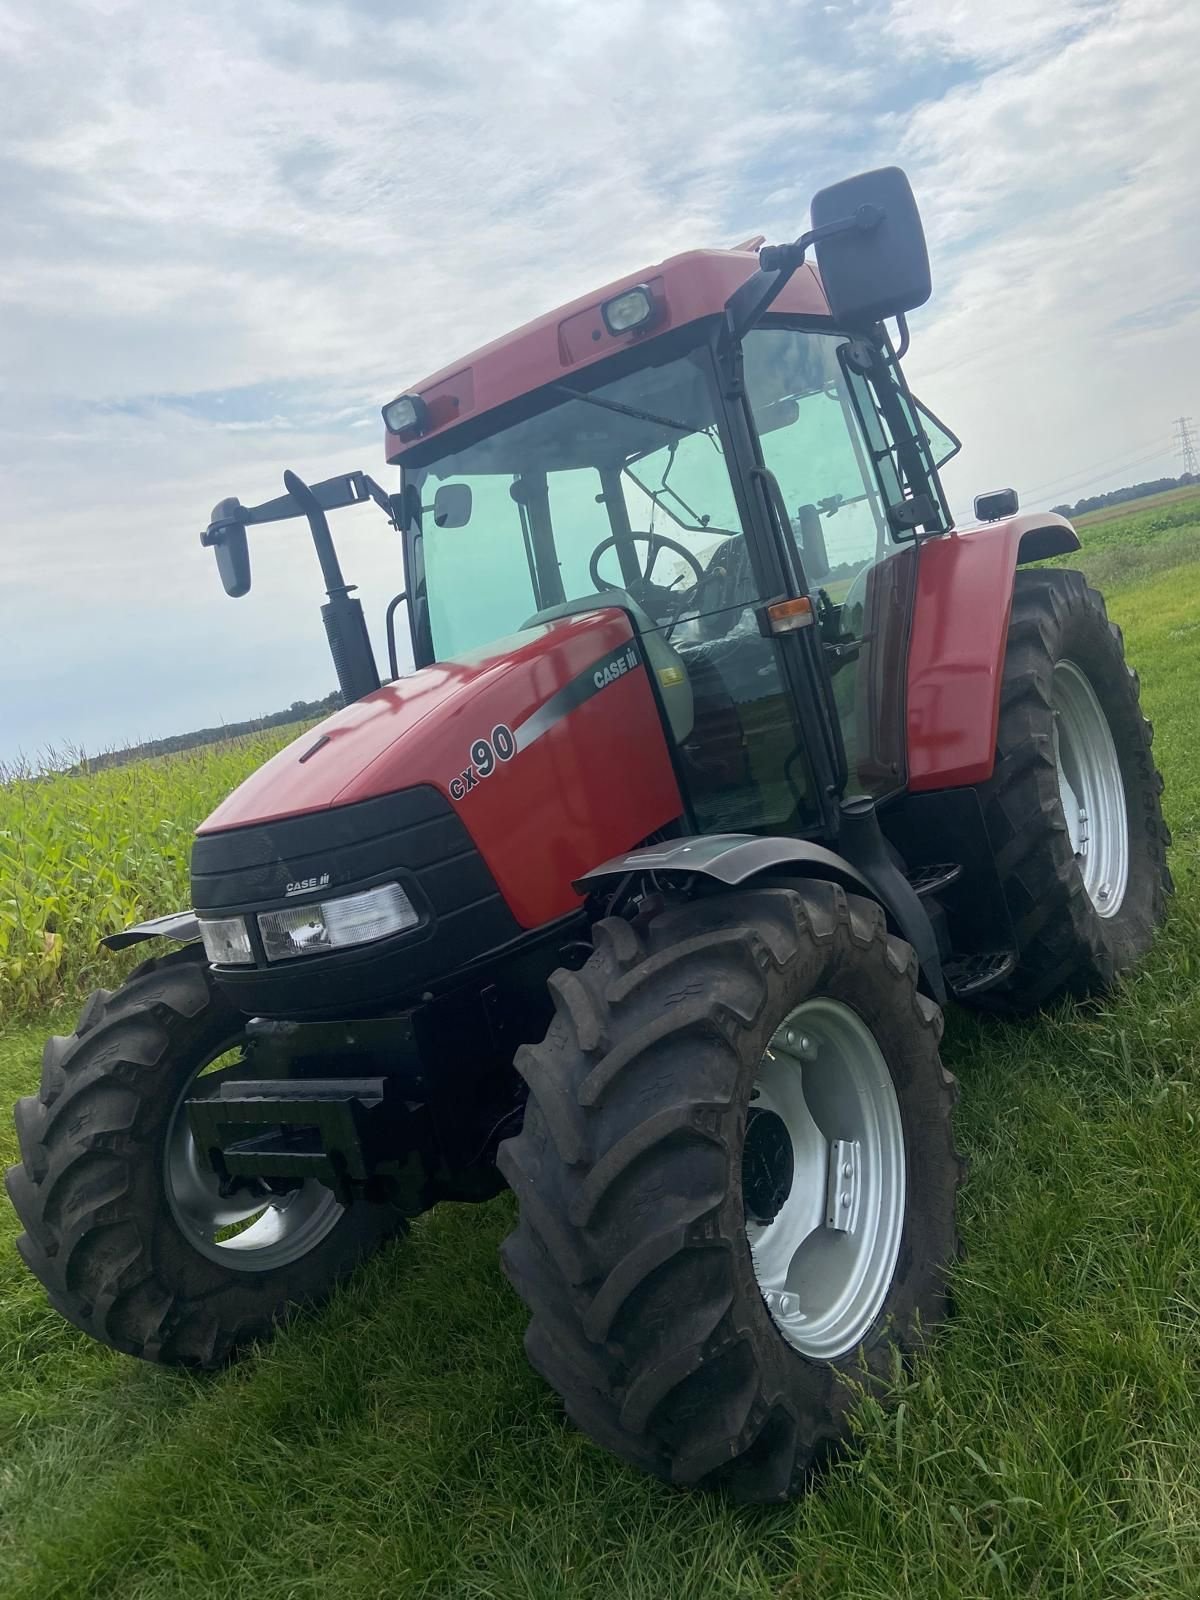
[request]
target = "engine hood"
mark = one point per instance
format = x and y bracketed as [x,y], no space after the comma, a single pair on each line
[546,747]
[420,729]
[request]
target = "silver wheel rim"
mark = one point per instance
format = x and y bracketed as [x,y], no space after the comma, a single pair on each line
[273,1230]
[1091,789]
[825,1260]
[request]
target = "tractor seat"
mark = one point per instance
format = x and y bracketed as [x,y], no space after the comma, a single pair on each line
[662,658]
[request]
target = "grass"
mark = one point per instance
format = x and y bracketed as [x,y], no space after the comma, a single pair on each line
[397,1444]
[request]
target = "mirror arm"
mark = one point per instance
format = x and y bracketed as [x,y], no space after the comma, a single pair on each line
[751,300]
[902,326]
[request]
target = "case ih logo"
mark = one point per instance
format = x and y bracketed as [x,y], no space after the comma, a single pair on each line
[303,885]
[612,670]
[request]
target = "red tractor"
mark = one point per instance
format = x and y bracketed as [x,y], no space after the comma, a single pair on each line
[726,762]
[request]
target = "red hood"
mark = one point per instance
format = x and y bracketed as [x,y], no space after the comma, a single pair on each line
[548,744]
[391,739]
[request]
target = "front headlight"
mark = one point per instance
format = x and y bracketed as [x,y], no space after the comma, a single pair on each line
[226,941]
[315,929]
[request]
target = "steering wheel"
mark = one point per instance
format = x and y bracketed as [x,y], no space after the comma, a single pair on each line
[656,543]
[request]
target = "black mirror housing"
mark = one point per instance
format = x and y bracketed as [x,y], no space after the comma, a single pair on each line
[452,506]
[879,268]
[997,504]
[227,536]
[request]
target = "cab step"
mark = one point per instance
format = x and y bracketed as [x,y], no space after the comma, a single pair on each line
[972,974]
[933,879]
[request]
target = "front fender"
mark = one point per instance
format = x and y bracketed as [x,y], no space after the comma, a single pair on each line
[182,926]
[730,858]
[959,636]
[736,858]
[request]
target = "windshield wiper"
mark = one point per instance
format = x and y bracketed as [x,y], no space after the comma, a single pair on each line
[626,411]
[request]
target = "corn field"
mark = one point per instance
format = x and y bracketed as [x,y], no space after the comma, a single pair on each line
[85,853]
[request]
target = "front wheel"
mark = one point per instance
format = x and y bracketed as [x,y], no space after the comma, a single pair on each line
[129,1232]
[736,1182]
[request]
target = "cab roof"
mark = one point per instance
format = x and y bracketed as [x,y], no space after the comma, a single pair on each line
[564,342]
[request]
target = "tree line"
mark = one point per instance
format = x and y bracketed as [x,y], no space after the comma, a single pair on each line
[298,711]
[1117,497]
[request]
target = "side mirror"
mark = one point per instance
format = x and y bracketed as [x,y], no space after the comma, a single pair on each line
[227,536]
[452,506]
[879,267]
[999,503]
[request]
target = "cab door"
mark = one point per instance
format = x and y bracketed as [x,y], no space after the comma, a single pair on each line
[845,455]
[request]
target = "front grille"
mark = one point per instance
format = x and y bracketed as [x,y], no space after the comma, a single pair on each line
[412,837]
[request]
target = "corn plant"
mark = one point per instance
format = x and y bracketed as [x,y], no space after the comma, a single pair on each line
[84,853]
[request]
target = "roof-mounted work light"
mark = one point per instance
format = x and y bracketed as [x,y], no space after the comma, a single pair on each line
[628,311]
[408,413]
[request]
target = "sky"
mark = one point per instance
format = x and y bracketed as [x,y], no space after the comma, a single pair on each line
[230,232]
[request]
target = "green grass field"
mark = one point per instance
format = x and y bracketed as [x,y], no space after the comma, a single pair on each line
[397,1445]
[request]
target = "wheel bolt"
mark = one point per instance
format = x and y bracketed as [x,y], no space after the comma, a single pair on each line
[845,1198]
[847,1169]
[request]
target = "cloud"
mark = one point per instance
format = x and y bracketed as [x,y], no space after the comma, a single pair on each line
[1066,227]
[232,231]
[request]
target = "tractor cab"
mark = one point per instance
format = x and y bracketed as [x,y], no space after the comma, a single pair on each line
[724,524]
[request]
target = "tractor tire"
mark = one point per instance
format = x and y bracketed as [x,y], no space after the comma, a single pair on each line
[111,1201]
[680,1334]
[1085,891]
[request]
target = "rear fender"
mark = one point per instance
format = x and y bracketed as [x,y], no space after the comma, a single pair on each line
[959,635]
[734,859]
[181,926]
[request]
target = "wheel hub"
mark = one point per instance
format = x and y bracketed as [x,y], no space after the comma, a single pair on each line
[768,1165]
[823,1179]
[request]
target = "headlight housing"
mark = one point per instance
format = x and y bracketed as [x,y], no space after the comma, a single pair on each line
[316,928]
[227,941]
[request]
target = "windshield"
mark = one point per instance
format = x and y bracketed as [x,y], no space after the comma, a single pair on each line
[555,512]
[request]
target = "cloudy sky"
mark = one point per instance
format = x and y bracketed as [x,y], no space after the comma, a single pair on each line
[231,231]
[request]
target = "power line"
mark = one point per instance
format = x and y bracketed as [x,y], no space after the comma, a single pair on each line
[1082,479]
[1185,444]
[1106,463]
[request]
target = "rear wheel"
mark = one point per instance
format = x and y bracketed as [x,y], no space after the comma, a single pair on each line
[1073,809]
[736,1182]
[129,1232]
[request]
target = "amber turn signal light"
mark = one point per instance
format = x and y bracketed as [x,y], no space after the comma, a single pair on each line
[787,616]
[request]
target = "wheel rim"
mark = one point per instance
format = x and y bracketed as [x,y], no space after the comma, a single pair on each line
[823,1179]
[1091,789]
[271,1229]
